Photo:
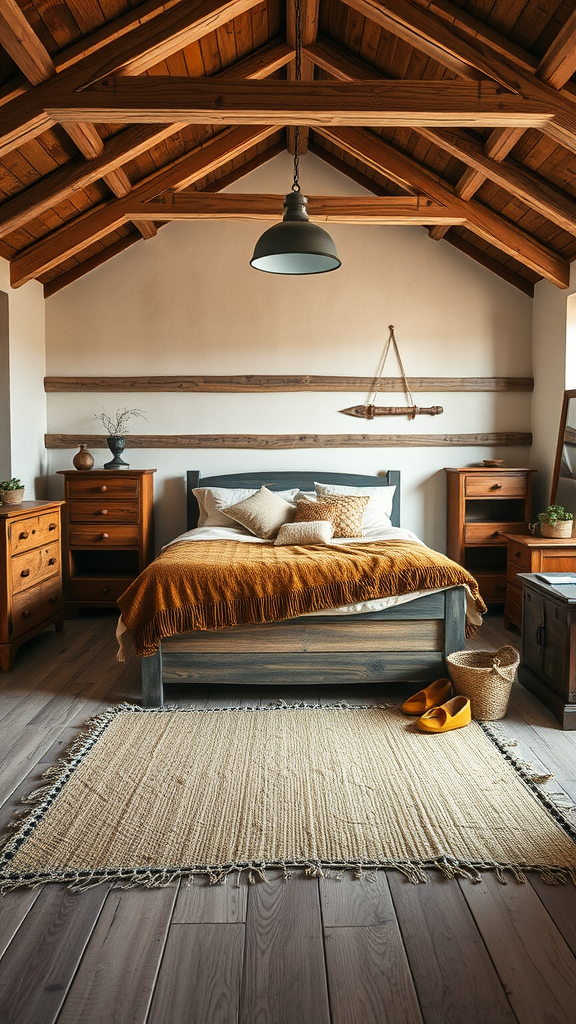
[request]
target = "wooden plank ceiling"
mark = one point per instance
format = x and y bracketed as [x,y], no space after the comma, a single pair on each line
[464,110]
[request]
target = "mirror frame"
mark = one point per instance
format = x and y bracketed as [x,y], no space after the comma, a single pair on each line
[561,432]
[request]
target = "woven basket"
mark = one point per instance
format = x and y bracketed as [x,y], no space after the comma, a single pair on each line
[486,678]
[563,528]
[12,497]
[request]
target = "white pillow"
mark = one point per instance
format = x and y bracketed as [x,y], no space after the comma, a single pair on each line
[379,509]
[212,499]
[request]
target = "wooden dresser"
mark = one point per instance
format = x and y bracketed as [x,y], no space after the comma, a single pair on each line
[109,533]
[31,576]
[485,504]
[530,555]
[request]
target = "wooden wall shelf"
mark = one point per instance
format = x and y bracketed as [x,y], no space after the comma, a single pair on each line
[278,441]
[257,382]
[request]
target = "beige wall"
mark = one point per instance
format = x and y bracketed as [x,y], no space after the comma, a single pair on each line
[187,302]
[24,454]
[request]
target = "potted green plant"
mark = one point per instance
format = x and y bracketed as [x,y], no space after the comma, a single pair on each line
[555,521]
[11,491]
[117,428]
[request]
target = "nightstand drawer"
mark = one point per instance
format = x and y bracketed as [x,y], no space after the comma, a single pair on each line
[31,567]
[497,485]
[95,591]
[102,511]
[492,588]
[489,533]
[115,486]
[34,606]
[519,556]
[104,536]
[31,533]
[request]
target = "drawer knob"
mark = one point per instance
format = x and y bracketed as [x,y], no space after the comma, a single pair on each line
[103,511]
[103,488]
[52,526]
[496,533]
[33,532]
[51,561]
[105,590]
[496,487]
[26,614]
[54,599]
[24,535]
[517,554]
[25,572]
[104,536]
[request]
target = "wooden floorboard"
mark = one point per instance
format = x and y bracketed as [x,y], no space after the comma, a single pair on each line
[306,951]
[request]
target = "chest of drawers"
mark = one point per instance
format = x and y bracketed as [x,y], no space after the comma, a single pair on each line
[484,504]
[31,577]
[109,533]
[534,555]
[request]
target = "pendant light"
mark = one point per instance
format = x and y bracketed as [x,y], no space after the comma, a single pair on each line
[295,246]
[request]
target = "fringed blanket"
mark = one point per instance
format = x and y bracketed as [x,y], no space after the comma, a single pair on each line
[219,584]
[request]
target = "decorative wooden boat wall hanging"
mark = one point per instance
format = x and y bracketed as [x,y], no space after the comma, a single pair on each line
[411,410]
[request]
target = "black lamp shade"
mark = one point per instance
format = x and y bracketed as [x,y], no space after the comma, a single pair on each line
[295,246]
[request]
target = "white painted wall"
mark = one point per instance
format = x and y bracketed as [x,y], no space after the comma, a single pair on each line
[24,455]
[187,302]
[554,360]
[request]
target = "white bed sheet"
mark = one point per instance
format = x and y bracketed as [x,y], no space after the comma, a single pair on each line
[378,604]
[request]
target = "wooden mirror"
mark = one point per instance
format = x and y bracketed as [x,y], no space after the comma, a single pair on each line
[564,476]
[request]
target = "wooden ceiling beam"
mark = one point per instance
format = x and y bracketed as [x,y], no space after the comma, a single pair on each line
[29,53]
[125,146]
[309,14]
[559,62]
[532,190]
[323,209]
[69,276]
[56,247]
[131,53]
[490,226]
[161,99]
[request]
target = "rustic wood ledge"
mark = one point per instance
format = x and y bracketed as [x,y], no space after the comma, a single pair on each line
[258,382]
[277,441]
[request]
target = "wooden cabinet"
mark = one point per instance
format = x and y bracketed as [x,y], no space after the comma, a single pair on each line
[529,555]
[548,661]
[485,504]
[31,576]
[109,533]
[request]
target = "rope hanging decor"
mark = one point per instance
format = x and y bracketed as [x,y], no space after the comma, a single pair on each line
[370,410]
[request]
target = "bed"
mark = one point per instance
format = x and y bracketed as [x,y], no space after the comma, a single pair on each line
[408,642]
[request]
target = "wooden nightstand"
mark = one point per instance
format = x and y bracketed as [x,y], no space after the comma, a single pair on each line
[31,576]
[485,504]
[548,662]
[109,535]
[533,554]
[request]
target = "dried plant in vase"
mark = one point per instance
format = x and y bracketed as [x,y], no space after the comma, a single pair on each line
[117,427]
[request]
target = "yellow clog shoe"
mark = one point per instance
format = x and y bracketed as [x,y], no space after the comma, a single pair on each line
[453,714]
[431,697]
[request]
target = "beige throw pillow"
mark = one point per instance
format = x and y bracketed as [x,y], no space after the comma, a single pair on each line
[262,513]
[320,532]
[345,513]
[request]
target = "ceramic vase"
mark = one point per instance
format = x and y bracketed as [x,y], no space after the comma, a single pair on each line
[83,459]
[116,446]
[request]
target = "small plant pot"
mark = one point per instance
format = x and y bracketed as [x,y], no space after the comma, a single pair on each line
[12,497]
[563,528]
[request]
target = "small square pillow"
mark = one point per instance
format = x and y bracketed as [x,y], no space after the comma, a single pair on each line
[345,513]
[320,532]
[379,510]
[263,513]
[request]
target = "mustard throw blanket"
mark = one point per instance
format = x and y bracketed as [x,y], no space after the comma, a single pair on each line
[219,584]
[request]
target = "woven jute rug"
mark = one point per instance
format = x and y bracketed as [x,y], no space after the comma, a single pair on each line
[149,796]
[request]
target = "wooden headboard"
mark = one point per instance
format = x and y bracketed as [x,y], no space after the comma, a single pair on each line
[284,481]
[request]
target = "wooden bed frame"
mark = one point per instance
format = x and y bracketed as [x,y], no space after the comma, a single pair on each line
[406,643]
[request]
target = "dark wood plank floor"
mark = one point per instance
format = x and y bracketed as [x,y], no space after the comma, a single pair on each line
[311,951]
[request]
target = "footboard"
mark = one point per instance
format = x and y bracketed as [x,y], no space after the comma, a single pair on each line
[406,643]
